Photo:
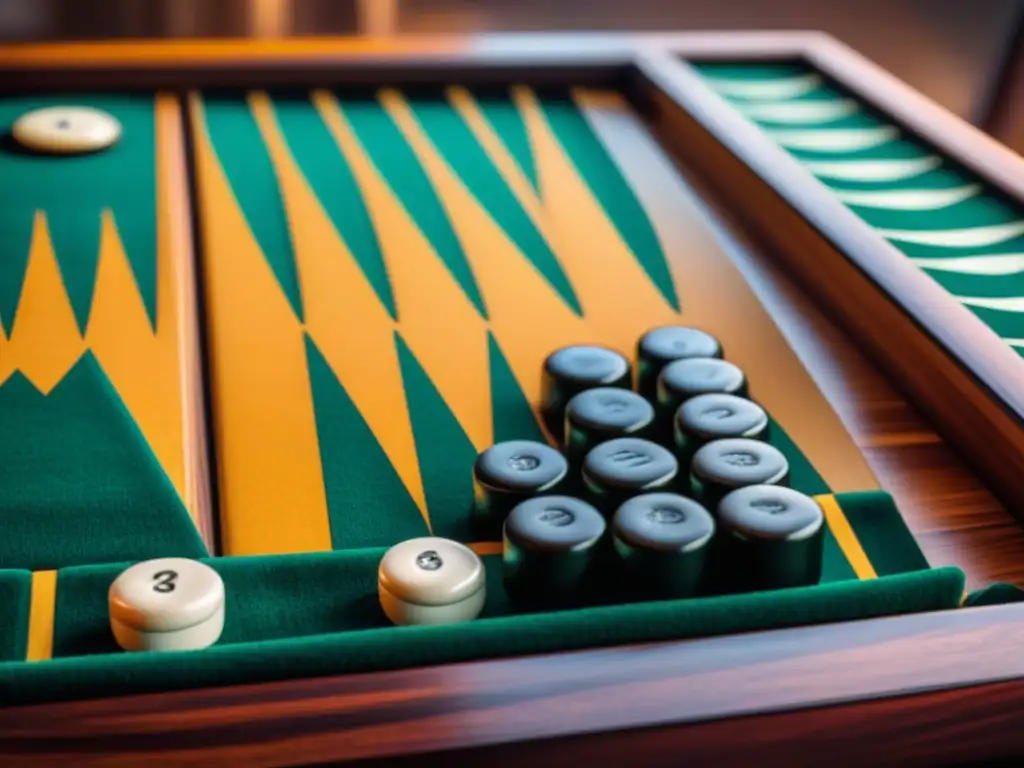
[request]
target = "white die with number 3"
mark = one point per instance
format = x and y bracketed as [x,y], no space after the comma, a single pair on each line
[169,604]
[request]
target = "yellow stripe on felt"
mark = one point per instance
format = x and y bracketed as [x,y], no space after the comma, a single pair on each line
[442,328]
[526,315]
[6,365]
[343,314]
[465,105]
[271,485]
[487,547]
[141,365]
[618,298]
[437,321]
[40,616]
[45,342]
[145,364]
[511,283]
[845,537]
[707,280]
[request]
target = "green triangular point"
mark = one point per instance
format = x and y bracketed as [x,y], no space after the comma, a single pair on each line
[14,250]
[512,416]
[467,158]
[446,454]
[238,143]
[81,484]
[328,173]
[398,164]
[596,166]
[138,238]
[368,505]
[131,168]
[75,234]
[507,121]
[73,191]
[17,387]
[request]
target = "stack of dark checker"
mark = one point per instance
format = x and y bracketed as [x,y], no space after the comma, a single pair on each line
[668,490]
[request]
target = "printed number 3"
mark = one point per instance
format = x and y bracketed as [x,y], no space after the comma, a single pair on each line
[164,581]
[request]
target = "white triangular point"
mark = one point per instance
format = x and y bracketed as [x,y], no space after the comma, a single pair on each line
[835,139]
[1008,304]
[907,199]
[873,170]
[1001,264]
[777,88]
[815,112]
[1015,342]
[972,237]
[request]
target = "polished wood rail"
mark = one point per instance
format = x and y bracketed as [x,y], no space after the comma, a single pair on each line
[538,698]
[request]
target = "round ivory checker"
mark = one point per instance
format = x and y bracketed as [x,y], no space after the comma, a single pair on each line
[66,130]
[169,604]
[431,580]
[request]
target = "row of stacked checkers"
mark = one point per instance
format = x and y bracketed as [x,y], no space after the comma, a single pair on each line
[671,489]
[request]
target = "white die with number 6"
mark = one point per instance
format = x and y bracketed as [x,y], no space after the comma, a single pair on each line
[431,580]
[169,604]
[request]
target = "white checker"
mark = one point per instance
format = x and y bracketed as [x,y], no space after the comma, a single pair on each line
[169,604]
[431,580]
[66,130]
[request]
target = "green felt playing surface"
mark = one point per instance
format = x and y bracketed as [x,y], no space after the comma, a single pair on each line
[274,597]
[80,484]
[15,595]
[964,234]
[1000,593]
[368,503]
[235,136]
[72,192]
[379,647]
[76,461]
[299,615]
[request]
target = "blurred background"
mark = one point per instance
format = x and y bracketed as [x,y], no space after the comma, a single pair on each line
[966,54]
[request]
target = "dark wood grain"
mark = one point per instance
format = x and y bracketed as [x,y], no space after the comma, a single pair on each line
[491,703]
[425,61]
[965,726]
[909,690]
[557,58]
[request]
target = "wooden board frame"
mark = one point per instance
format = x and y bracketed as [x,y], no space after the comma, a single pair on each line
[961,374]
[903,690]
